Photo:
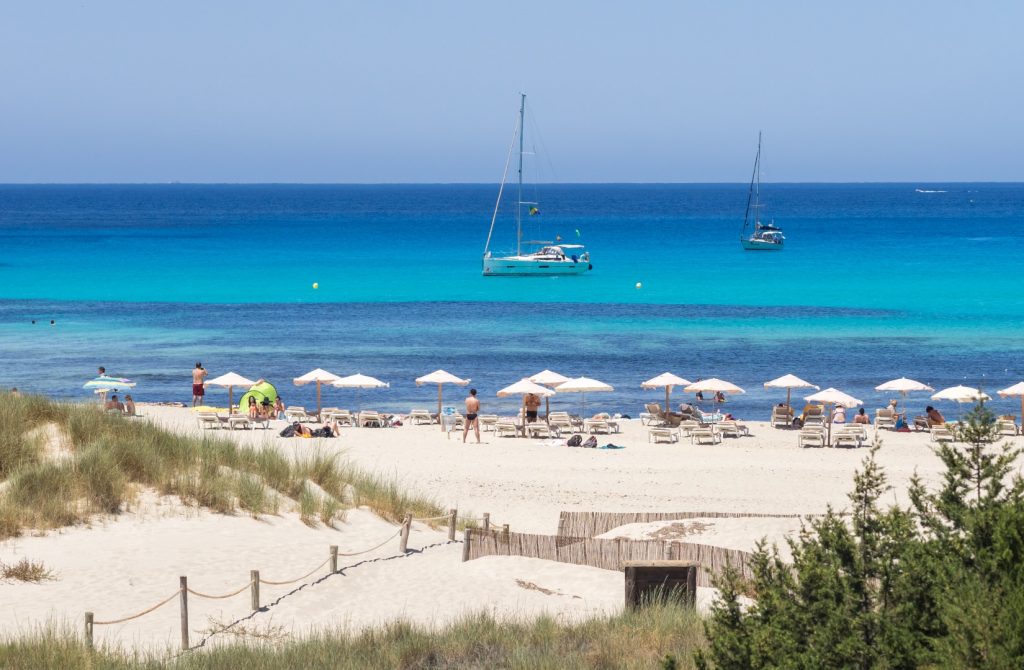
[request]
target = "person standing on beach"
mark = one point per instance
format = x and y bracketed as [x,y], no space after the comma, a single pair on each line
[472,410]
[532,404]
[198,375]
[102,371]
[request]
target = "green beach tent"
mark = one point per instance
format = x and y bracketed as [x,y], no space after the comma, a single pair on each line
[262,391]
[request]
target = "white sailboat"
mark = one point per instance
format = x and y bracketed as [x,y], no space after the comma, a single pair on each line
[547,258]
[757,236]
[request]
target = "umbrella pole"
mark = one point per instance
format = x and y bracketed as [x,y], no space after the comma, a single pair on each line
[668,390]
[318,400]
[439,407]
[231,399]
[829,419]
[547,407]
[788,392]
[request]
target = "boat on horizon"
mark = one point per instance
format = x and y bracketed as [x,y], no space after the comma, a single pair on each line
[547,258]
[755,235]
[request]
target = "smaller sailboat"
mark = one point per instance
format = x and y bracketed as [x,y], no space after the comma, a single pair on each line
[758,236]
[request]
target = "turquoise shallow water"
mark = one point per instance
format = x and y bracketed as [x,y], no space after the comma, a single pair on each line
[877,281]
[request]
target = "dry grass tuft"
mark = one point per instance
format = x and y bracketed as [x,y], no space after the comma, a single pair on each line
[27,570]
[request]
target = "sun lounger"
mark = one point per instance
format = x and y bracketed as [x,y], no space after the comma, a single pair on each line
[732,429]
[506,428]
[487,421]
[661,434]
[594,426]
[295,413]
[850,436]
[884,418]
[814,421]
[687,426]
[1006,427]
[420,416]
[782,417]
[540,429]
[370,418]
[705,435]
[652,415]
[942,434]
[561,423]
[239,422]
[208,420]
[811,437]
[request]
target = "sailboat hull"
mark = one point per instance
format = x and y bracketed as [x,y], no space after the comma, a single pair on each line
[761,245]
[524,266]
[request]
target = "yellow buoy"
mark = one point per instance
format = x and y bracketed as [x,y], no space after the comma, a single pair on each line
[316,285]
[639,285]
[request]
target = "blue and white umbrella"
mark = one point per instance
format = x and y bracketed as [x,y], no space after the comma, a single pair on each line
[104,385]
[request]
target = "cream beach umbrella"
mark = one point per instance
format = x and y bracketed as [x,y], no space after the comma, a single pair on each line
[525,387]
[583,386]
[961,394]
[789,382]
[831,396]
[359,381]
[230,381]
[1015,391]
[667,380]
[713,385]
[550,379]
[440,377]
[903,386]
[317,377]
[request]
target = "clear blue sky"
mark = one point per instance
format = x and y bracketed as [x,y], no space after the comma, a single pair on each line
[392,91]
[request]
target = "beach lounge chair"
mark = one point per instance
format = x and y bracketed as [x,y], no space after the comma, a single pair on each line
[811,437]
[652,415]
[922,423]
[594,426]
[884,418]
[658,434]
[208,420]
[296,413]
[942,434]
[705,435]
[1006,427]
[540,429]
[732,429]
[562,423]
[368,418]
[239,422]
[687,426]
[487,421]
[420,416]
[782,417]
[506,428]
[814,421]
[850,436]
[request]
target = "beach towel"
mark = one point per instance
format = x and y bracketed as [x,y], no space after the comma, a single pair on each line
[611,446]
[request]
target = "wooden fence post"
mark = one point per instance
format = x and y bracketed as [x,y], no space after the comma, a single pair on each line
[452,518]
[465,544]
[504,531]
[183,585]
[334,558]
[254,589]
[561,525]
[88,629]
[487,521]
[403,543]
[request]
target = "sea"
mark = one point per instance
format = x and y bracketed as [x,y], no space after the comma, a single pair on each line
[876,281]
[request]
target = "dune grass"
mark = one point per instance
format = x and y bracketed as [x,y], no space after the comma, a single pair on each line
[110,457]
[639,639]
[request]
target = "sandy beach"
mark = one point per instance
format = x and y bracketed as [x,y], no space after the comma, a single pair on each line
[117,566]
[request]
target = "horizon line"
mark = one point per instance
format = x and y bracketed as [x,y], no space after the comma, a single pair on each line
[494,183]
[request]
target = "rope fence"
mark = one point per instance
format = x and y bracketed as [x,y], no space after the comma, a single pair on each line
[253,585]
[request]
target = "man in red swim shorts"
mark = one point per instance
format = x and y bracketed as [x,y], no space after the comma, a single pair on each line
[198,375]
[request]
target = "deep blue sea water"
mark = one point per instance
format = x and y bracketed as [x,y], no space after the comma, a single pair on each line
[876,282]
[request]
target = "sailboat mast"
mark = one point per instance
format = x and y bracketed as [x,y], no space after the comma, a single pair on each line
[519,196]
[757,188]
[750,192]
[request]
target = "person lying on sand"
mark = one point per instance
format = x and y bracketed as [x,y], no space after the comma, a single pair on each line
[329,429]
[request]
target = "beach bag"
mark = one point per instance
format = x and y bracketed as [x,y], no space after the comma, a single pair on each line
[590,443]
[289,431]
[575,441]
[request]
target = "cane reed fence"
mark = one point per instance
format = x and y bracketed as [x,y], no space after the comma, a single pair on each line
[255,580]
[592,524]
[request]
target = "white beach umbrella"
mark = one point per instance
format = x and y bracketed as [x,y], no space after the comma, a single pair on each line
[583,385]
[551,379]
[903,386]
[359,381]
[318,377]
[103,385]
[1015,391]
[440,377]
[230,381]
[789,382]
[713,385]
[832,396]
[667,380]
[961,394]
[524,387]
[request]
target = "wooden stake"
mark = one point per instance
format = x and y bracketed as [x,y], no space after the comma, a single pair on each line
[452,516]
[88,629]
[334,558]
[254,590]
[487,521]
[403,544]
[183,585]
[465,544]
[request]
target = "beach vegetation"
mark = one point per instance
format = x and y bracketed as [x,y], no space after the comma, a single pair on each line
[937,583]
[642,638]
[26,570]
[60,463]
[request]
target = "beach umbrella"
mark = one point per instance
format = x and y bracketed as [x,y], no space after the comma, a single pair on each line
[789,382]
[1015,391]
[103,385]
[583,385]
[903,386]
[961,394]
[317,377]
[359,381]
[713,385]
[548,378]
[230,381]
[831,396]
[440,377]
[524,387]
[667,380]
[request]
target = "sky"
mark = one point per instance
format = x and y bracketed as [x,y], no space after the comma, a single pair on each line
[411,91]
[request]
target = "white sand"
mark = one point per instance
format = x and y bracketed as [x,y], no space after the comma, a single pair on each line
[121,565]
